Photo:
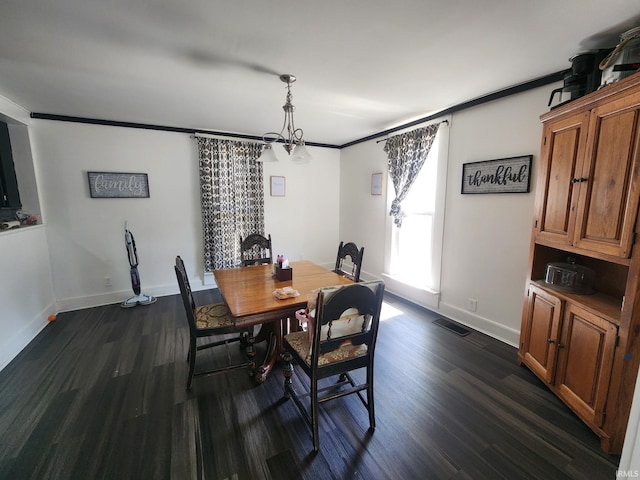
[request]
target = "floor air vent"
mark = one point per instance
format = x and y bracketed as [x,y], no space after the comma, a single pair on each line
[453,327]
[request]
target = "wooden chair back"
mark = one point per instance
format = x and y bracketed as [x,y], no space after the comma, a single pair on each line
[350,250]
[185,293]
[359,329]
[256,250]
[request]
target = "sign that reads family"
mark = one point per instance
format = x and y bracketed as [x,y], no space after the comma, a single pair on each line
[504,175]
[118,185]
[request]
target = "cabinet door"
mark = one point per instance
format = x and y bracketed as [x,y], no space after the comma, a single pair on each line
[609,191]
[540,333]
[585,359]
[562,153]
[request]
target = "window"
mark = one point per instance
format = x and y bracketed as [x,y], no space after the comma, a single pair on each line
[414,250]
[9,194]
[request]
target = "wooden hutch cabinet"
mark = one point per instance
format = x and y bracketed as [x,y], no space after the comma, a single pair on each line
[586,348]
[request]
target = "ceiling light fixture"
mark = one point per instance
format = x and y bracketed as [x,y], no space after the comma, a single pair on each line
[293,142]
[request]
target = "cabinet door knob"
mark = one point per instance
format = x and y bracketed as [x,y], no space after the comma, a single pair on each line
[550,341]
[560,345]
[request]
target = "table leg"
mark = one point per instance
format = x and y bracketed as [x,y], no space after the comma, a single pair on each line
[272,332]
[266,329]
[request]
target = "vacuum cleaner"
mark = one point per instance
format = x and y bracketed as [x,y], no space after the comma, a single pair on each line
[138,298]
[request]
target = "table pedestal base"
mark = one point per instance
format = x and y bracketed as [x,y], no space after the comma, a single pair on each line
[273,333]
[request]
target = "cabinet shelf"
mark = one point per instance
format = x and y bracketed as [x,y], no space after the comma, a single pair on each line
[577,251]
[600,304]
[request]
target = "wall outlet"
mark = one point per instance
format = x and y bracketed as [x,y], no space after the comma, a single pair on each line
[107,281]
[472,304]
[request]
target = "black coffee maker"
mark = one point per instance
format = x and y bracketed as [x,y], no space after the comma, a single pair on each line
[583,77]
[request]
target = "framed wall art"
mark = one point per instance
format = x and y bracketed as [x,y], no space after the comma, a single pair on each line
[278,186]
[118,185]
[376,183]
[503,175]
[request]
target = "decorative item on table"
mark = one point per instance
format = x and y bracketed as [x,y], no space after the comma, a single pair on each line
[285,292]
[284,271]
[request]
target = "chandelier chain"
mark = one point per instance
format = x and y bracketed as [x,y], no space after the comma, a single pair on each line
[293,143]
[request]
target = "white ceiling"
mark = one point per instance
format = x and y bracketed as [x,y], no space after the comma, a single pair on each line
[363,66]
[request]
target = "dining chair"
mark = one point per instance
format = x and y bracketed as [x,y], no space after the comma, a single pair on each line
[211,320]
[345,328]
[255,250]
[352,269]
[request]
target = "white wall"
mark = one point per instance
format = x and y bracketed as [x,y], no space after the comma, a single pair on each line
[630,457]
[26,295]
[26,290]
[363,216]
[486,237]
[86,235]
[304,224]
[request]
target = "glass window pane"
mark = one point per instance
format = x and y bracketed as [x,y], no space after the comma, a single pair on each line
[411,258]
[414,250]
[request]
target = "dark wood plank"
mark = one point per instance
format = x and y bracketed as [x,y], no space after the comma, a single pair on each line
[100,394]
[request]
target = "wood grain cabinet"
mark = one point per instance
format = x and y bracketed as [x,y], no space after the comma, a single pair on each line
[585,357]
[589,194]
[586,348]
[571,349]
[541,332]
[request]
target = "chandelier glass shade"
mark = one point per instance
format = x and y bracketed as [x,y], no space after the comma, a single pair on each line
[290,136]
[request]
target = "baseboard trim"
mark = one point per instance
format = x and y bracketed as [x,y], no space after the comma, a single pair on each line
[11,347]
[426,298]
[484,325]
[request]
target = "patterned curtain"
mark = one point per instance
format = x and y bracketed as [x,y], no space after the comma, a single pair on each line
[407,153]
[232,196]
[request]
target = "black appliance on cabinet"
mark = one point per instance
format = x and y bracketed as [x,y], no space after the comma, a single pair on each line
[583,77]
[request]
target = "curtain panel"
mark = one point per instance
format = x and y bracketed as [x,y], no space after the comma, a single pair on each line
[232,197]
[407,153]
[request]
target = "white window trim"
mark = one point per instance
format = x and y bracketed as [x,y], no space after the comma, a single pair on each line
[427,297]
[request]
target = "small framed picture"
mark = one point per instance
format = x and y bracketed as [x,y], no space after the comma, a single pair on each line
[277,186]
[376,183]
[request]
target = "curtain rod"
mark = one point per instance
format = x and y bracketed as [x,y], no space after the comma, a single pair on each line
[385,139]
[221,136]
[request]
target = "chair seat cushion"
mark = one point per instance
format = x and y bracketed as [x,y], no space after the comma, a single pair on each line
[301,344]
[214,315]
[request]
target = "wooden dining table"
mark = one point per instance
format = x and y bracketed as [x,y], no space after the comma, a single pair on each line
[248,291]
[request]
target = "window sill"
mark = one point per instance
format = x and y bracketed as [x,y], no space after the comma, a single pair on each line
[20,229]
[425,297]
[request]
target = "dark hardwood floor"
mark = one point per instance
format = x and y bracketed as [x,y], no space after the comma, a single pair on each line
[100,394]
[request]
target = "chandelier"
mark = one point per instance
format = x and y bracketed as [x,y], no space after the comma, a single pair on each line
[289,135]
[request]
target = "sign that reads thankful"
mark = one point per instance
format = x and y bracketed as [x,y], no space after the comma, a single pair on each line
[504,175]
[118,185]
